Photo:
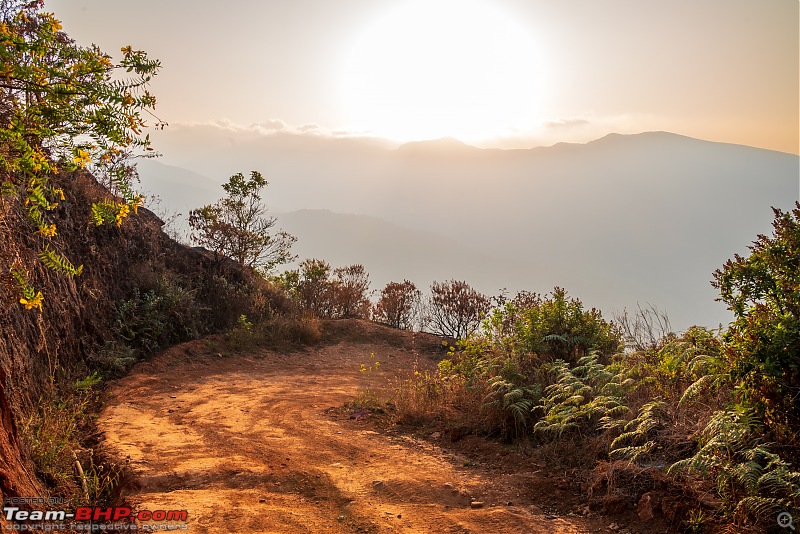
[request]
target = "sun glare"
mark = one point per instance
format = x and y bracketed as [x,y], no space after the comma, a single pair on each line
[435,68]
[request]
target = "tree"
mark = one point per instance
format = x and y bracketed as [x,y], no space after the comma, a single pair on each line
[398,304]
[343,295]
[456,309]
[763,342]
[314,291]
[237,226]
[350,291]
[65,107]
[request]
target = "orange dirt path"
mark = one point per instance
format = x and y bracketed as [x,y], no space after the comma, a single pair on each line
[251,443]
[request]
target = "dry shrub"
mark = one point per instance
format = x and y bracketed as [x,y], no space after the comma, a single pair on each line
[622,479]
[579,452]
[282,333]
[58,435]
[455,309]
[303,330]
[398,305]
[426,398]
[350,292]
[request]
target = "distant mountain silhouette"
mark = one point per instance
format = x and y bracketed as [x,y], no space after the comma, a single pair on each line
[446,145]
[182,189]
[625,218]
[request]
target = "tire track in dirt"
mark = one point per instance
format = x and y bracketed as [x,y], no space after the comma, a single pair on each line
[244,443]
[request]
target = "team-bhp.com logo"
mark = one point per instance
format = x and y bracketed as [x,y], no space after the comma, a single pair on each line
[95,519]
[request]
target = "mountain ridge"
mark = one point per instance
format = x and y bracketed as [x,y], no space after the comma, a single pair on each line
[623,219]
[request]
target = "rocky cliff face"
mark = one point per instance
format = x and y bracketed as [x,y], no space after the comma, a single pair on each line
[81,314]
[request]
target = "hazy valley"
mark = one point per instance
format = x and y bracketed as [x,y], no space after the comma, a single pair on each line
[622,220]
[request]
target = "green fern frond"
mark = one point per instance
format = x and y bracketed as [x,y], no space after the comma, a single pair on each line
[57,262]
[754,479]
[633,452]
[35,215]
[36,196]
[103,212]
[8,189]
[27,291]
[760,506]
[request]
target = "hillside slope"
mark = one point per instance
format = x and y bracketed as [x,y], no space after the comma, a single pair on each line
[139,290]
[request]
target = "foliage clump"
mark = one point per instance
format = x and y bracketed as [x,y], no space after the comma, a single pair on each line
[762,345]
[65,107]
[326,293]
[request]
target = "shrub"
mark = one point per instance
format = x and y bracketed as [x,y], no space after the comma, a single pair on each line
[350,289]
[54,436]
[157,317]
[763,342]
[398,305]
[455,309]
[583,398]
[558,327]
[328,294]
[747,473]
[311,287]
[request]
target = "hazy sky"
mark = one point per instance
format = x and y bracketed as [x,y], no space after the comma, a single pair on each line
[531,71]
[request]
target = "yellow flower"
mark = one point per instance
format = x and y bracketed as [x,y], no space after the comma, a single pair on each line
[138,201]
[48,230]
[35,302]
[123,212]
[82,158]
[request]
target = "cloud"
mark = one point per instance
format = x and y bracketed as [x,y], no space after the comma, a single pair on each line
[565,123]
[271,127]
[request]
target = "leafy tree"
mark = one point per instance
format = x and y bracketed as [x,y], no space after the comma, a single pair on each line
[65,107]
[350,289]
[328,293]
[398,304]
[763,342]
[237,226]
[313,290]
[456,309]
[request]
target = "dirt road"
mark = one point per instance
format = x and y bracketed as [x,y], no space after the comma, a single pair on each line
[258,442]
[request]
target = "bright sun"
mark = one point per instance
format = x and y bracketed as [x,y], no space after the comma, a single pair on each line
[434,68]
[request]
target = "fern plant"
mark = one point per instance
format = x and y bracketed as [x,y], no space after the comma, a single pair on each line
[581,396]
[710,372]
[752,479]
[637,438]
[512,396]
[58,262]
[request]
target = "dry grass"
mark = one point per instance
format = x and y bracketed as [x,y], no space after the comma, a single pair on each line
[426,398]
[59,438]
[283,334]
